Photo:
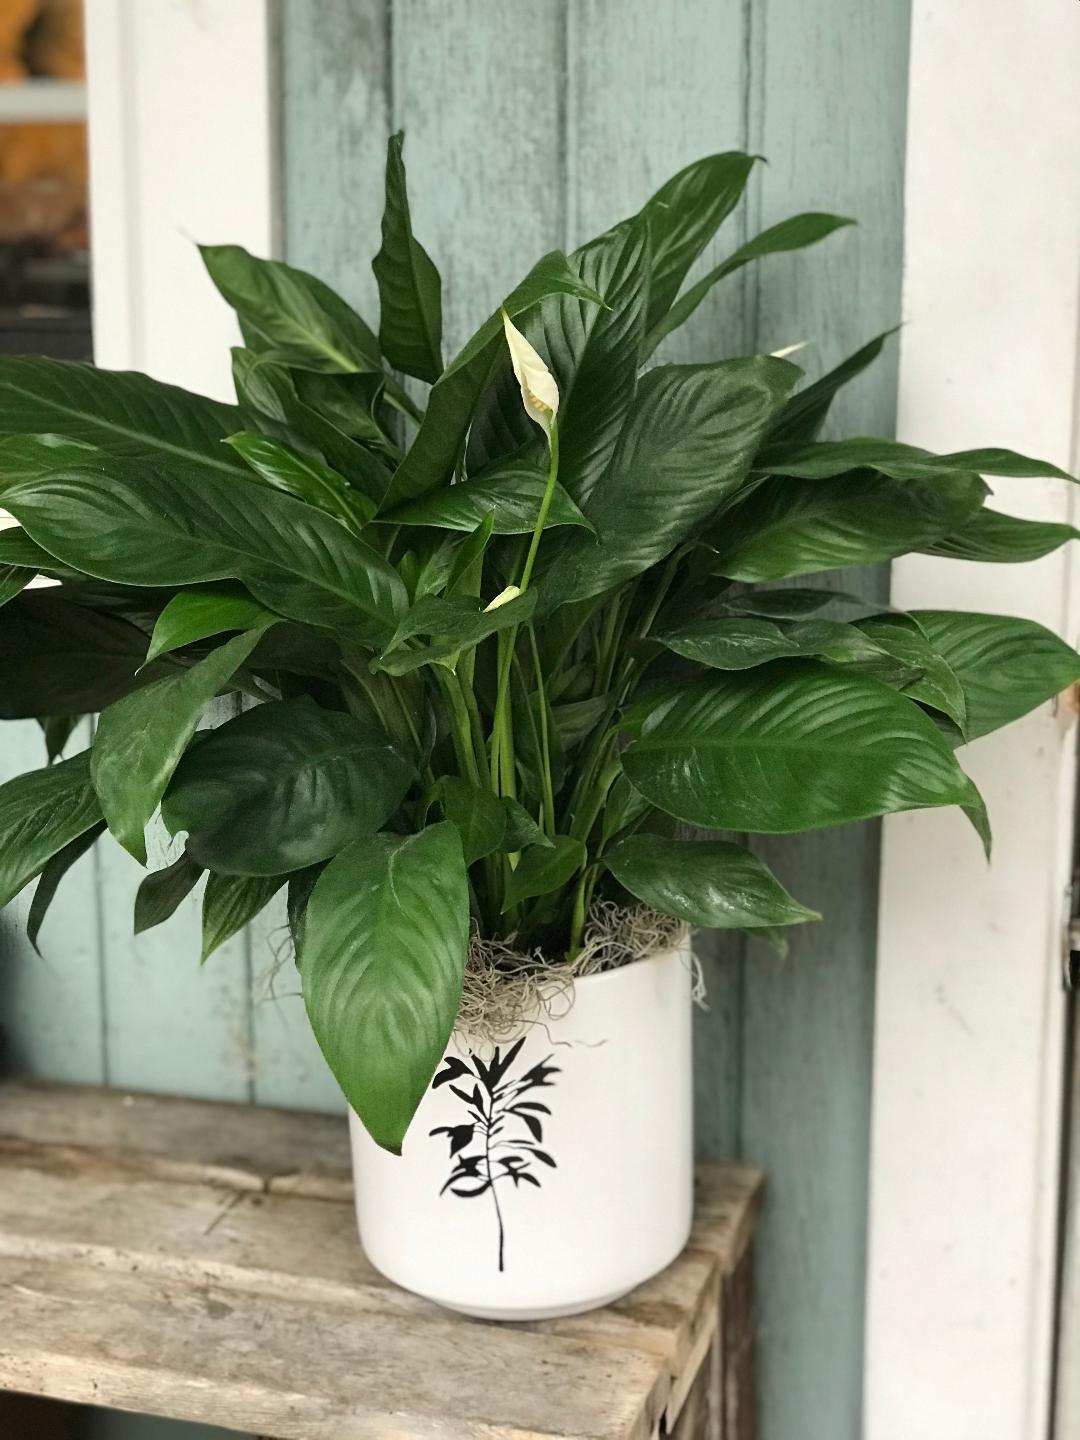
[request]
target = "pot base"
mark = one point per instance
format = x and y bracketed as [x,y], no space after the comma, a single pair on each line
[551,1312]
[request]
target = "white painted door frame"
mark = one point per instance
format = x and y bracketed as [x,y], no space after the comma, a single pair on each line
[968,1070]
[183,149]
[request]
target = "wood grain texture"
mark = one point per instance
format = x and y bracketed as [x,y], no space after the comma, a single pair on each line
[216,1295]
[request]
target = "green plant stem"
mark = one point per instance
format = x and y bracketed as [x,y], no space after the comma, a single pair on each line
[545,748]
[461,730]
[502,735]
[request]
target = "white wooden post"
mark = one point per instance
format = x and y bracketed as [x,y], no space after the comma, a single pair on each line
[970,1007]
[182,150]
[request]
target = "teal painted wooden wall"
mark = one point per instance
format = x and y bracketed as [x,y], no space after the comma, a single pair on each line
[531,126]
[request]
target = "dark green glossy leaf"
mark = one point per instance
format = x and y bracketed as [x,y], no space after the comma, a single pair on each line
[410,291]
[54,872]
[440,440]
[542,869]
[385,939]
[741,642]
[40,813]
[20,552]
[139,740]
[684,215]
[304,477]
[60,658]
[795,233]
[521,829]
[796,602]
[283,786]
[510,490]
[477,814]
[991,536]
[274,396]
[593,351]
[348,402]
[291,311]
[456,623]
[787,527]
[119,412]
[196,614]
[57,730]
[687,446]
[804,414]
[229,902]
[824,460]
[791,746]
[705,882]
[162,891]
[936,684]
[13,581]
[142,524]
[1006,666]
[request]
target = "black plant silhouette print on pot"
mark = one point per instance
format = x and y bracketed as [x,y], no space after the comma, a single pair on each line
[503,1136]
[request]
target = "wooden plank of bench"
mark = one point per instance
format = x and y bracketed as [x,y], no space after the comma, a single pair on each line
[151,1258]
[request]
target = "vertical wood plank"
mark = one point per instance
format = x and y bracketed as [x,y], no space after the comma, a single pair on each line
[826,105]
[650,89]
[51,1021]
[478,88]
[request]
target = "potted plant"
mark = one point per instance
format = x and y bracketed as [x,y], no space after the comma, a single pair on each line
[495,630]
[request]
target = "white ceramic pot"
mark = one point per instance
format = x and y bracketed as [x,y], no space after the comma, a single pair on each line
[554,1174]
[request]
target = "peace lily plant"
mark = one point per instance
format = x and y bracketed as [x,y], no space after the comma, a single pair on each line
[491,631]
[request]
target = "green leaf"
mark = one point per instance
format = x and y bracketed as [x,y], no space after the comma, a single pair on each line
[542,870]
[229,902]
[936,684]
[455,623]
[709,882]
[292,312]
[40,813]
[161,892]
[139,740]
[441,438]
[741,642]
[143,524]
[194,615]
[593,351]
[991,536]
[283,786]
[804,414]
[385,940]
[510,490]
[50,878]
[795,233]
[13,581]
[684,215]
[791,746]
[824,460]
[688,445]
[787,527]
[61,658]
[521,829]
[57,730]
[21,553]
[121,413]
[477,814]
[274,395]
[347,402]
[305,478]
[410,291]
[1005,665]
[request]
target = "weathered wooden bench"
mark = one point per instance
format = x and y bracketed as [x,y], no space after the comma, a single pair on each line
[199,1261]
